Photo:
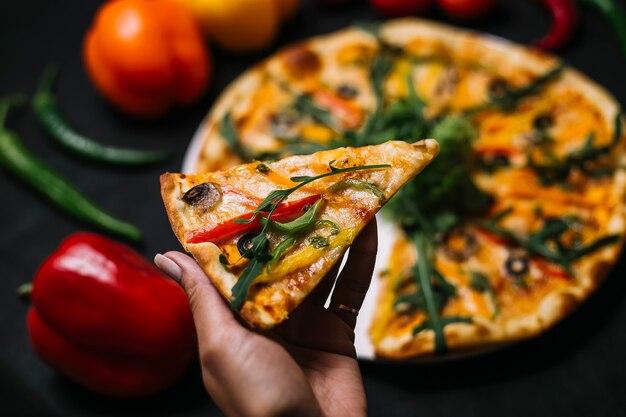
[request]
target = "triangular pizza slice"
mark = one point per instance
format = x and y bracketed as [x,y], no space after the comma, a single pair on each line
[316,205]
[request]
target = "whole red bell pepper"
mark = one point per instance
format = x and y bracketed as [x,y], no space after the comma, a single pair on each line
[106,318]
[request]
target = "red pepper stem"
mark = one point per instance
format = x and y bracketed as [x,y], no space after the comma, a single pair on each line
[24,292]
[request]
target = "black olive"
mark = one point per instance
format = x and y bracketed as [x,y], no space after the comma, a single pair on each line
[517,264]
[347,91]
[493,162]
[498,86]
[204,195]
[283,122]
[245,242]
[470,245]
[543,121]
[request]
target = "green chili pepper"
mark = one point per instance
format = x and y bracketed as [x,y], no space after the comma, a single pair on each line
[301,223]
[360,185]
[47,114]
[19,161]
[279,251]
[615,15]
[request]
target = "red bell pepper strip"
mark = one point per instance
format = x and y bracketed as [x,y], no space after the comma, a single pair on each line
[109,320]
[230,228]
[564,21]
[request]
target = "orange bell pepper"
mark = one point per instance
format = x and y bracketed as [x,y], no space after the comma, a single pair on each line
[145,56]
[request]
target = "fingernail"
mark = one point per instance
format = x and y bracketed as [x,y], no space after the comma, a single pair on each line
[168,266]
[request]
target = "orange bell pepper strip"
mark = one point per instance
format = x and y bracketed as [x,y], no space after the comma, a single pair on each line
[230,228]
[145,56]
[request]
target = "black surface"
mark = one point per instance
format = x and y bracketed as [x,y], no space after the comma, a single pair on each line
[576,369]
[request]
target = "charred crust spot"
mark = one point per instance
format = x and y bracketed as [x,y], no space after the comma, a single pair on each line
[567,304]
[481,331]
[301,62]
[599,271]
[182,176]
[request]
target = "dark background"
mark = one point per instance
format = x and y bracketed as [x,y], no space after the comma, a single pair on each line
[578,368]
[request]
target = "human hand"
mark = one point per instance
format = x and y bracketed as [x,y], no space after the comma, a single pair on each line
[304,367]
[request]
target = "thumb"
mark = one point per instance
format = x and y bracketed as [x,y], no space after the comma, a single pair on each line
[209,309]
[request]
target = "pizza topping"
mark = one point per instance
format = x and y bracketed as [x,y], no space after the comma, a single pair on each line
[319,242]
[548,242]
[279,251]
[347,92]
[498,87]
[517,265]
[263,169]
[244,243]
[492,161]
[361,185]
[543,121]
[283,122]
[248,222]
[586,159]
[267,208]
[301,223]
[460,244]
[205,195]
[480,282]
[505,98]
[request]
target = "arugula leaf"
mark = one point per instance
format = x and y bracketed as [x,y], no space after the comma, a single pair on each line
[228,130]
[258,253]
[305,106]
[547,242]
[299,224]
[509,100]
[479,282]
[558,171]
[279,251]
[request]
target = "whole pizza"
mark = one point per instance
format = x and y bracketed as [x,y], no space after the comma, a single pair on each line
[516,221]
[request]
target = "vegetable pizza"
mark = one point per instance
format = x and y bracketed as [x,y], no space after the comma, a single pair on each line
[512,226]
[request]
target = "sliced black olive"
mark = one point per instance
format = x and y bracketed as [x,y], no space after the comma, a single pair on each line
[497,87]
[245,242]
[347,91]
[493,162]
[543,121]
[468,248]
[263,169]
[517,264]
[281,123]
[205,195]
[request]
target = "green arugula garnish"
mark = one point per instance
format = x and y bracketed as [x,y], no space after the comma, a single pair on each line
[548,241]
[229,132]
[258,253]
[480,282]
[557,171]
[305,106]
[510,98]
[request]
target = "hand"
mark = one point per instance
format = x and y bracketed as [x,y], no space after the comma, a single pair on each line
[304,367]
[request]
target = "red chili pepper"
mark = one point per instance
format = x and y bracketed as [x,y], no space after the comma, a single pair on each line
[564,20]
[229,228]
[108,319]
